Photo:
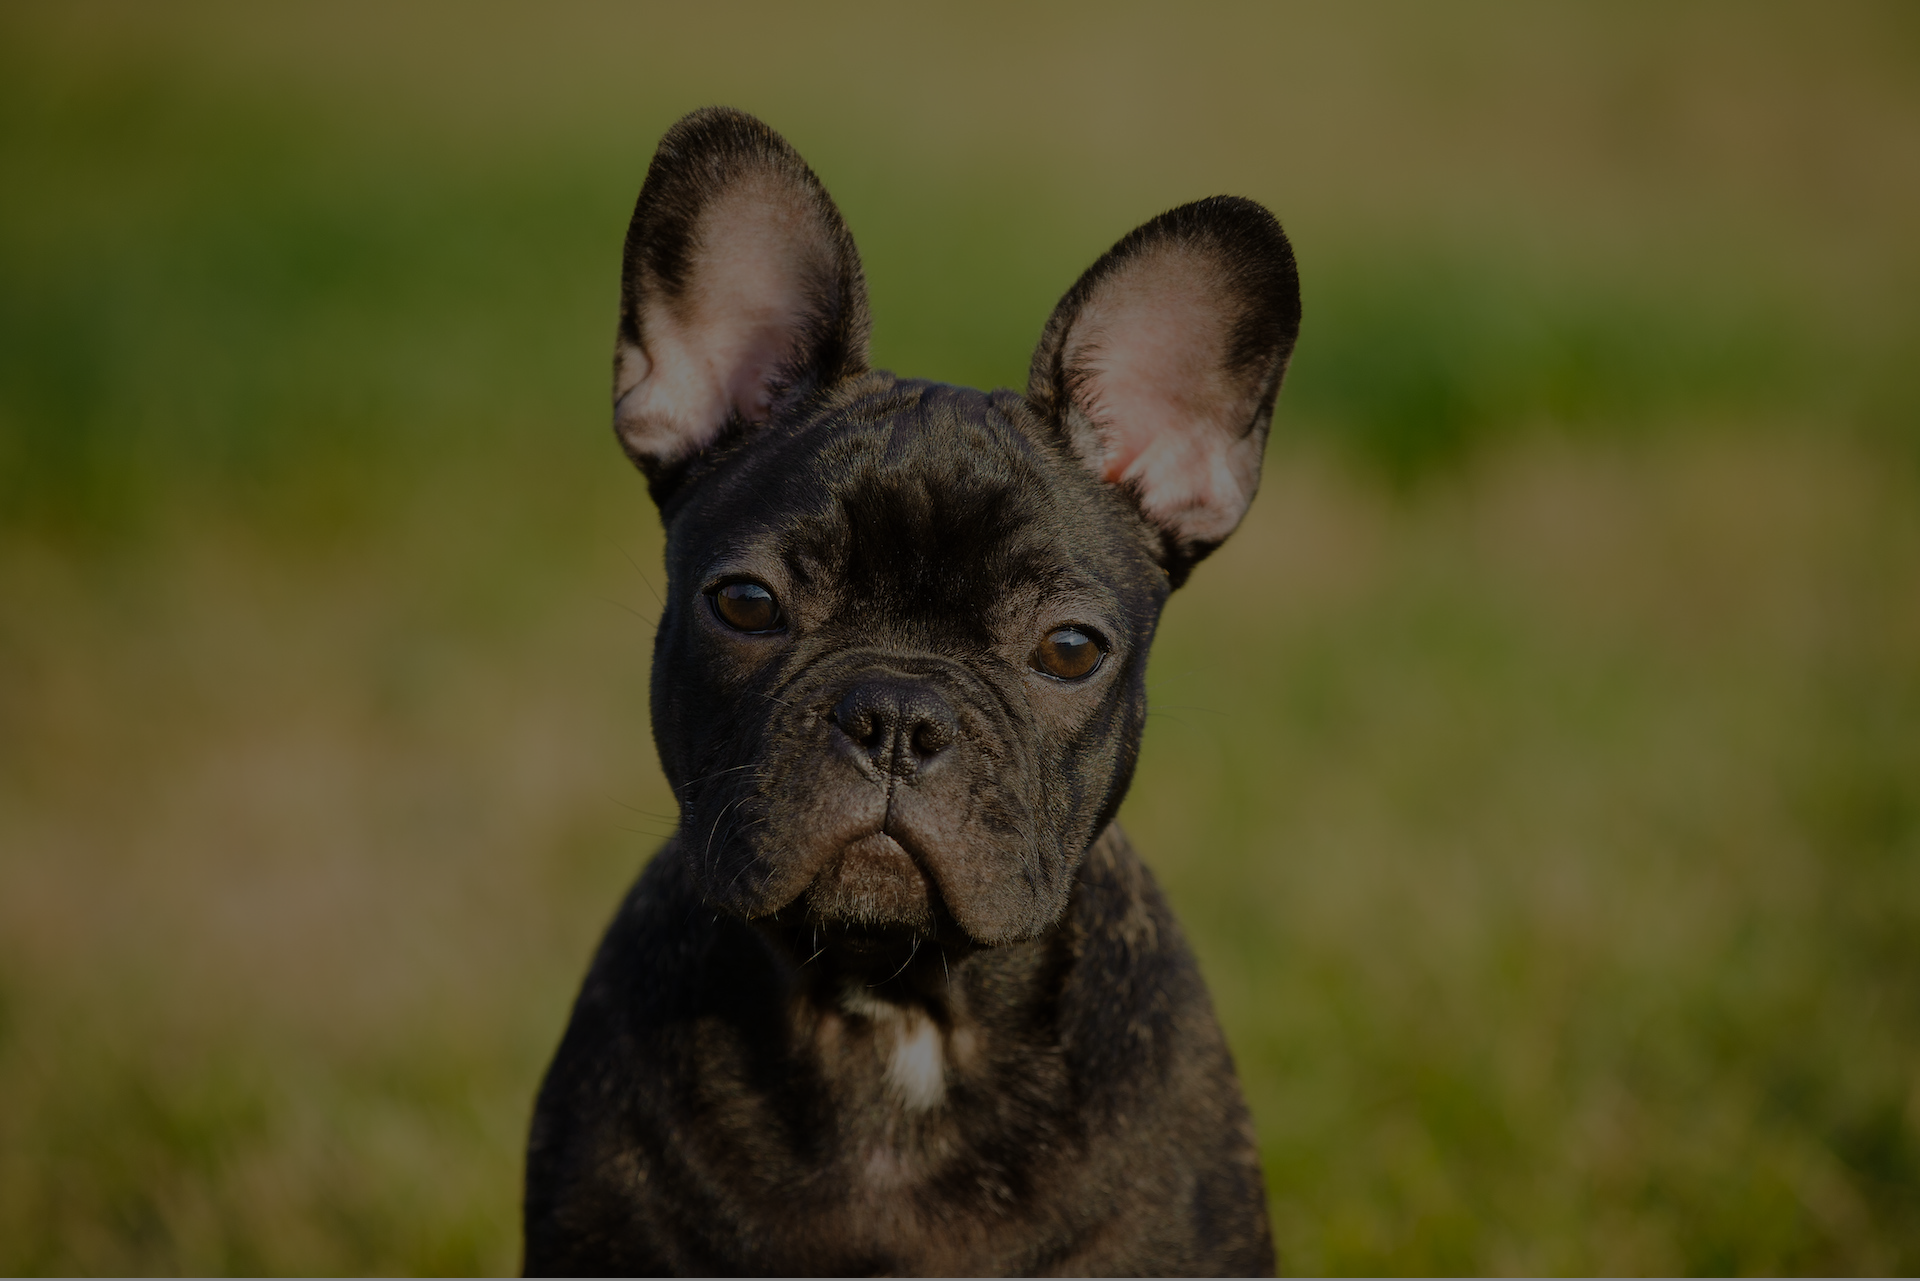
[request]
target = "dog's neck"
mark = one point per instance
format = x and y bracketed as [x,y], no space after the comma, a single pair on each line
[908,1017]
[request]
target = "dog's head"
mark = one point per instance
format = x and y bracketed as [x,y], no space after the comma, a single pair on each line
[898,685]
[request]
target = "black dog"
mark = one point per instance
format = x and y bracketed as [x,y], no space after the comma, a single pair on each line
[898,996]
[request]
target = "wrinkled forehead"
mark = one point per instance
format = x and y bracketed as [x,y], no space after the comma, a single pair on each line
[933,499]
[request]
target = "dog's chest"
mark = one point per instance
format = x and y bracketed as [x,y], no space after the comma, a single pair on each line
[893,1082]
[898,1053]
[897,1130]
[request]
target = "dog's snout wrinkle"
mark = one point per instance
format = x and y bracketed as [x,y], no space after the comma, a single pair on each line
[901,727]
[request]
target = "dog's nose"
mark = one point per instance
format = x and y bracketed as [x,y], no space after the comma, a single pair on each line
[901,726]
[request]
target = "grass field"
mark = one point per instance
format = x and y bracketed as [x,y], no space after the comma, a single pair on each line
[1537,772]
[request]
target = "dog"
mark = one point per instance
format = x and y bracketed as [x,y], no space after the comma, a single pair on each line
[898,996]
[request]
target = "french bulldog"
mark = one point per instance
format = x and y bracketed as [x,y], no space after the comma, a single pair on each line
[898,996]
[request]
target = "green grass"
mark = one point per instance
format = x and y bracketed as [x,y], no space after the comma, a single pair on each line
[1537,773]
[1564,933]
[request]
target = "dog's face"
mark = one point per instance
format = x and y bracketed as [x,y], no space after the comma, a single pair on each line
[899,675]
[899,680]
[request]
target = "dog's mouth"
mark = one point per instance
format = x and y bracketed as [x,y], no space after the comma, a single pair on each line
[857,824]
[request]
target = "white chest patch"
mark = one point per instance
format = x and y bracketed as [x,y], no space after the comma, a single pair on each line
[918,1069]
[916,1056]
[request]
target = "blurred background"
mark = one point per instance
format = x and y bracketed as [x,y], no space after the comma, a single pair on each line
[1537,773]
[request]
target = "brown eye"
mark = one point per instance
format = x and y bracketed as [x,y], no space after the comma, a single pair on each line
[747,607]
[1067,653]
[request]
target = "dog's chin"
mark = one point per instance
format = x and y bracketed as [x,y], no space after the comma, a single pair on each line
[873,891]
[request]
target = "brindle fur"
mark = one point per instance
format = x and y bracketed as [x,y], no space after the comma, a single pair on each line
[980,1043]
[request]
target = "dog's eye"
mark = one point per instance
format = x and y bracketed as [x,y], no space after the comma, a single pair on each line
[747,607]
[1067,653]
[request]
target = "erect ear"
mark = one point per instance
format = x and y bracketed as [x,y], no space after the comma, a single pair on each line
[1161,364]
[741,292]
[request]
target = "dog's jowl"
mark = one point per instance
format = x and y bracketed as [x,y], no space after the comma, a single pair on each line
[898,996]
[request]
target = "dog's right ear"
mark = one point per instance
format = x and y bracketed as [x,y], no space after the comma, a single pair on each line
[741,293]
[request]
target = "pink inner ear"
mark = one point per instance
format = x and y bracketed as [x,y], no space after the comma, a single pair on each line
[1158,409]
[716,349]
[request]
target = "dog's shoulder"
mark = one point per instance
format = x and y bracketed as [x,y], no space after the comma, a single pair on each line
[1134,979]
[623,1064]
[1158,1083]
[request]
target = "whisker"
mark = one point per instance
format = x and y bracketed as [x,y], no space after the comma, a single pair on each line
[707,857]
[708,778]
[608,600]
[915,951]
[643,577]
[635,809]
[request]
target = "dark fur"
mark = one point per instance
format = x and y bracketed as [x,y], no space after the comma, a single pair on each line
[721,1102]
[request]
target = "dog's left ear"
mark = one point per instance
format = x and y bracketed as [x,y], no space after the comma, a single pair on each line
[1160,367]
[741,295]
